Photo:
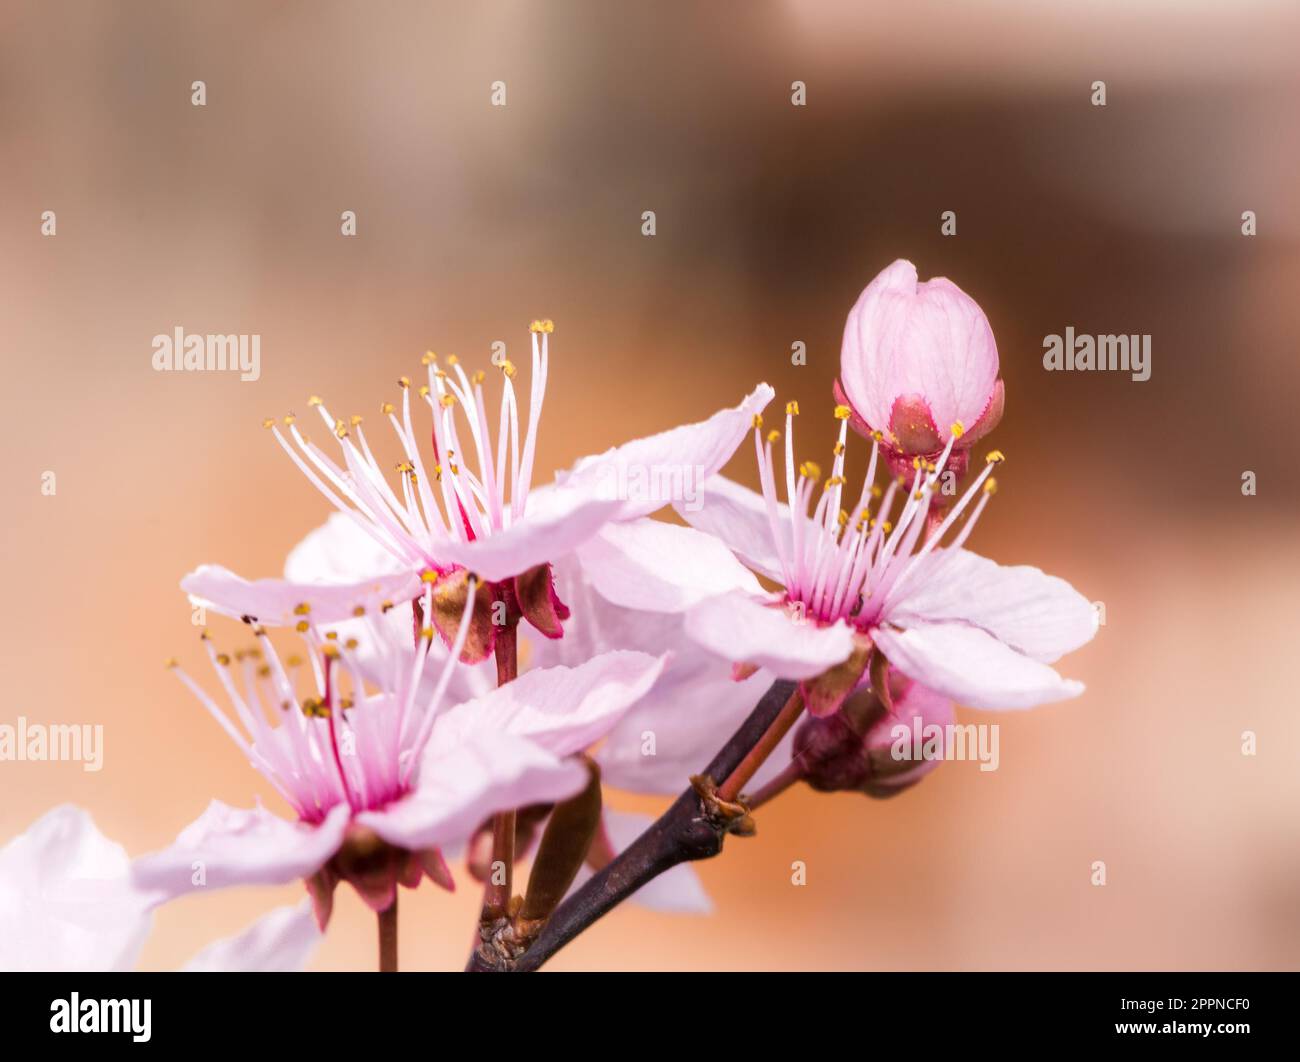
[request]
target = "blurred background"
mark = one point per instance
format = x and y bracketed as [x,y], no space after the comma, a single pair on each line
[473,219]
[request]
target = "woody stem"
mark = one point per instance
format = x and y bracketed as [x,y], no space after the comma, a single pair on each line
[686,831]
[388,937]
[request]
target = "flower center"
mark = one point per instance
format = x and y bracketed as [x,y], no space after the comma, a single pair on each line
[850,564]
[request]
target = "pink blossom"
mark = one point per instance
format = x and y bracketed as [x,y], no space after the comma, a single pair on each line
[379,781]
[470,503]
[918,359]
[854,581]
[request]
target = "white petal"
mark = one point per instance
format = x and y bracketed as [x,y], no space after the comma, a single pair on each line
[279,942]
[562,709]
[748,630]
[557,521]
[647,474]
[277,602]
[676,729]
[972,667]
[647,564]
[339,551]
[461,783]
[1036,614]
[66,902]
[739,517]
[234,846]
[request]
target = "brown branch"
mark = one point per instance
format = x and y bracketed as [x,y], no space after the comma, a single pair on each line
[692,828]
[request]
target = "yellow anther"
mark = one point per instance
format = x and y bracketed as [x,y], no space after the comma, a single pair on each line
[302,609]
[990,486]
[546,327]
[842,412]
[386,408]
[838,449]
[345,702]
[359,610]
[758,420]
[875,491]
[264,671]
[269,422]
[440,374]
[315,400]
[403,382]
[351,643]
[429,358]
[302,626]
[479,377]
[995,457]
[289,419]
[888,527]
[447,401]
[173,662]
[916,463]
[452,359]
[508,367]
[355,419]
[792,409]
[385,606]
[340,429]
[773,435]
[428,577]
[332,636]
[877,436]
[427,634]
[223,659]
[293,660]
[810,470]
[330,652]
[958,429]
[423,390]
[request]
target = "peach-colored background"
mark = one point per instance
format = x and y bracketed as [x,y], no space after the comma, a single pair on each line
[474,219]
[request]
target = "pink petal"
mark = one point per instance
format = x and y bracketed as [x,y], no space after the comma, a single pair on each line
[663,469]
[747,630]
[972,667]
[556,521]
[339,551]
[232,846]
[675,730]
[1038,615]
[738,516]
[66,902]
[657,567]
[562,709]
[279,942]
[464,781]
[277,603]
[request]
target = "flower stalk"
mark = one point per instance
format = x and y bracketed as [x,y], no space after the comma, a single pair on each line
[387,920]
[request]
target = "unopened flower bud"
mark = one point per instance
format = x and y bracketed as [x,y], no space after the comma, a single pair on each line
[919,364]
[854,749]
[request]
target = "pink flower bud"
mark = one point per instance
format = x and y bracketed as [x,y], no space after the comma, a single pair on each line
[854,748]
[919,364]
